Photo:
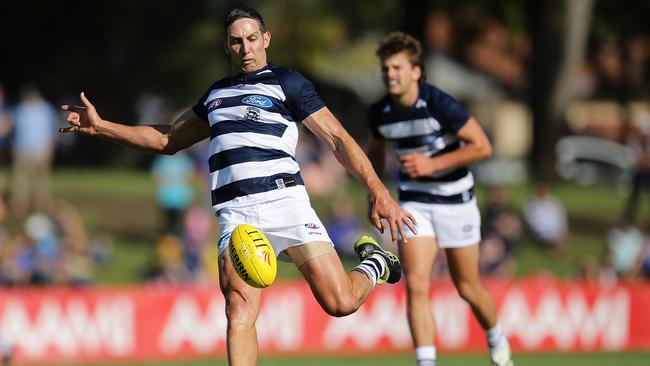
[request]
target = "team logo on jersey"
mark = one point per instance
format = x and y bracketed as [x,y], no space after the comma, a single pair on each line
[214,105]
[252,114]
[258,101]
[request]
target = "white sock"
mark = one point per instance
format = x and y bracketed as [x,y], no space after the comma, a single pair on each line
[495,336]
[374,267]
[425,355]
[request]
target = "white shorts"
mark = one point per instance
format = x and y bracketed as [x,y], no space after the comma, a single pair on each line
[286,222]
[453,225]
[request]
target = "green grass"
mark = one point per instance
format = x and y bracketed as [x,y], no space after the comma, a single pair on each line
[121,205]
[528,359]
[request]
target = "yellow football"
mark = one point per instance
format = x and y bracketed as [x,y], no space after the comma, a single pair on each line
[252,256]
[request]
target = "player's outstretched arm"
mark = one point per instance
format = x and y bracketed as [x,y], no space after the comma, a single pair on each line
[186,130]
[382,206]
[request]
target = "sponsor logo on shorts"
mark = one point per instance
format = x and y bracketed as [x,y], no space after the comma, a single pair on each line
[258,101]
[312,226]
[467,228]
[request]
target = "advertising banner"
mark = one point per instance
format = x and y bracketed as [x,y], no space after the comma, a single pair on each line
[158,322]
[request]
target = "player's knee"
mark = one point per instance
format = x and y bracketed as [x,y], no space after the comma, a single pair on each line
[468,291]
[418,286]
[240,312]
[341,306]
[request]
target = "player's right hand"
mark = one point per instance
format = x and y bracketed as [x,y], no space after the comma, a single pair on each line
[81,119]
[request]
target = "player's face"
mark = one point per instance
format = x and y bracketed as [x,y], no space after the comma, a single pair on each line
[400,75]
[246,45]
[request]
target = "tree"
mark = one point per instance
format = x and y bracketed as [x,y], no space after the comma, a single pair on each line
[559,31]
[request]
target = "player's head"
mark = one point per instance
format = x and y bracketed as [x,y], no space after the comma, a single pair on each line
[246,39]
[401,62]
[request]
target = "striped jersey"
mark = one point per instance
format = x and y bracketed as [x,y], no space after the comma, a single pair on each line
[254,131]
[429,126]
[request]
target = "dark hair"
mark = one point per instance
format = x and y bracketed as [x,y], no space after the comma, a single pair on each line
[397,42]
[239,12]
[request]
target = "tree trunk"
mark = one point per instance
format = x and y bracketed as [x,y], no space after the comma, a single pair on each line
[559,31]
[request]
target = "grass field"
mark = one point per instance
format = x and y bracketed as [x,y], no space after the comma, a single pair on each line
[109,199]
[529,359]
[121,205]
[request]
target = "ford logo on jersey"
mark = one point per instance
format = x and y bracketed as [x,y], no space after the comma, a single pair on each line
[258,101]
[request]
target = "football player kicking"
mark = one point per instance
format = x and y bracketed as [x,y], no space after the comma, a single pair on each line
[252,121]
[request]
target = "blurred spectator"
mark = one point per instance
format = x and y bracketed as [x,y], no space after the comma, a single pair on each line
[546,218]
[343,226]
[609,70]
[77,264]
[33,148]
[5,131]
[591,270]
[188,254]
[173,175]
[624,245]
[621,68]
[502,232]
[495,259]
[642,265]
[639,141]
[5,240]
[318,167]
[150,108]
[638,59]
[498,53]
[44,248]
[198,232]
[442,65]
[170,266]
[51,249]
[501,220]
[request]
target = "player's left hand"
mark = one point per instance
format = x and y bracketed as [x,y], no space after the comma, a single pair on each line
[383,206]
[417,164]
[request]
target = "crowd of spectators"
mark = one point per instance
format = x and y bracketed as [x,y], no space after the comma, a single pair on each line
[48,248]
[43,239]
[478,58]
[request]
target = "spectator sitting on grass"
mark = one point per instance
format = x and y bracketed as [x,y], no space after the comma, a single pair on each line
[624,246]
[546,218]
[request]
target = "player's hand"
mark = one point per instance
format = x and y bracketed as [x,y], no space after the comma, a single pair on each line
[383,206]
[417,164]
[81,119]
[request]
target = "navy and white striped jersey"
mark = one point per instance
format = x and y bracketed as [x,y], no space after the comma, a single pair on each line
[429,126]
[254,131]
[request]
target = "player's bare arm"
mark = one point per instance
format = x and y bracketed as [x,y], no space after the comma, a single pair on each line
[185,131]
[325,125]
[477,147]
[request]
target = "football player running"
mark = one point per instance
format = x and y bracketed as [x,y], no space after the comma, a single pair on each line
[252,120]
[434,139]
